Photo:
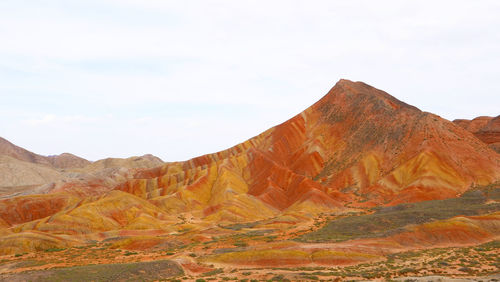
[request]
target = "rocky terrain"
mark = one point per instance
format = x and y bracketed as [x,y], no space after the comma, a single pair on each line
[486,129]
[358,186]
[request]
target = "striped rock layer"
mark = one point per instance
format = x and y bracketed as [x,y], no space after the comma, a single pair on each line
[356,147]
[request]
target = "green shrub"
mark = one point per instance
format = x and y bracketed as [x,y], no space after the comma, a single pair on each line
[213,272]
[241,244]
[466,269]
[54,250]
[389,220]
[407,270]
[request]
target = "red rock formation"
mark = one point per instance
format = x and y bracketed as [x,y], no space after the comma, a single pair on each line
[487,129]
[28,208]
[357,140]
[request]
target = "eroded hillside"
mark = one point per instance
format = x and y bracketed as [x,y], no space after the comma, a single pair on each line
[357,178]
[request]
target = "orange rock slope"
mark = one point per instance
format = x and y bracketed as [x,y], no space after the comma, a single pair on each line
[487,129]
[356,147]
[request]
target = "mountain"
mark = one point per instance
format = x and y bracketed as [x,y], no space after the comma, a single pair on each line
[24,173]
[357,146]
[100,176]
[11,150]
[487,129]
[358,177]
[64,160]
[146,161]
[17,176]
[21,171]
[67,160]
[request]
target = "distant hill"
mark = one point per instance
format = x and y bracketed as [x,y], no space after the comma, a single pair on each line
[65,160]
[17,175]
[146,161]
[487,129]
[22,171]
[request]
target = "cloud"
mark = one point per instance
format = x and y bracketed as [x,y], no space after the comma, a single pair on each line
[238,65]
[51,119]
[40,121]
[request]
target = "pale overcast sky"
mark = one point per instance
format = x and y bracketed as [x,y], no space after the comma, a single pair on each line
[104,78]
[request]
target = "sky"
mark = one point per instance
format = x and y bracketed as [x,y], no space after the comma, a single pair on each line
[178,79]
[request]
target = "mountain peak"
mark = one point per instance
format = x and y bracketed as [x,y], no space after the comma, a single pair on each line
[358,92]
[9,149]
[349,100]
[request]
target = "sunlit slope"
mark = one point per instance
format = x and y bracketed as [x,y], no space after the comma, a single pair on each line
[356,145]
